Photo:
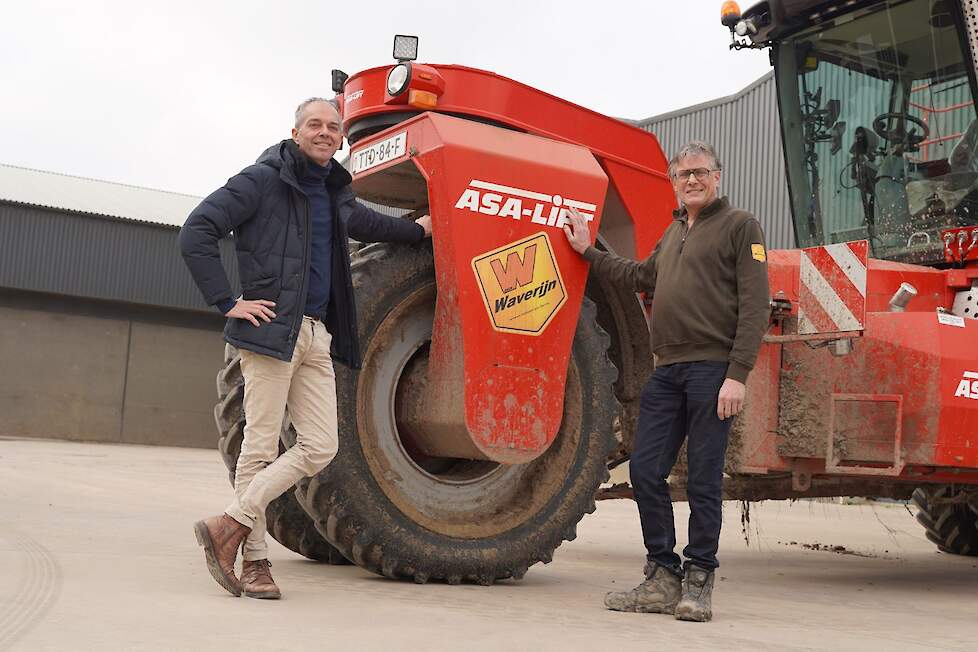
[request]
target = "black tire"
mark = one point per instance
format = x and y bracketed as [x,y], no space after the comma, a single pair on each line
[953,526]
[449,519]
[286,521]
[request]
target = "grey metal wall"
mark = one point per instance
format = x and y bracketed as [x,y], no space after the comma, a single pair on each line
[103,371]
[93,347]
[47,250]
[745,131]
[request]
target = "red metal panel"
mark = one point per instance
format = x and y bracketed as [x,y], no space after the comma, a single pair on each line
[649,199]
[631,157]
[832,457]
[483,94]
[958,436]
[497,200]
[911,355]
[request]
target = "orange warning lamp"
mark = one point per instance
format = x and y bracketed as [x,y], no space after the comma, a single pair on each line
[422,99]
[729,14]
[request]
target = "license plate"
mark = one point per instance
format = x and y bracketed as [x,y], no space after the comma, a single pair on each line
[386,150]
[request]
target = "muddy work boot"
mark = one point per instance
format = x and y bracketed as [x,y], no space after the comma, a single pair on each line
[257,582]
[221,536]
[658,594]
[696,603]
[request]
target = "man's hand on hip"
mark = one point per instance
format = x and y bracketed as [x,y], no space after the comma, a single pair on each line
[424,222]
[731,398]
[251,309]
[578,235]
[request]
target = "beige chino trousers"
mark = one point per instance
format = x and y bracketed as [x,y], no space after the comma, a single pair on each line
[307,385]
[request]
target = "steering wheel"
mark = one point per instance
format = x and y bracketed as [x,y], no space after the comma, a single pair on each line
[900,135]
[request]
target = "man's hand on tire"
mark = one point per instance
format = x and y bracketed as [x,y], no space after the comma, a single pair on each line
[250,310]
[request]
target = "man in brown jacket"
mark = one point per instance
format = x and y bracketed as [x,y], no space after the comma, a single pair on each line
[708,281]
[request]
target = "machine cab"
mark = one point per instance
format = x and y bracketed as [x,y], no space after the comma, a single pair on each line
[878,122]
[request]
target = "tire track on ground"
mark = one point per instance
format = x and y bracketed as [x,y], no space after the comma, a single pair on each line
[37,591]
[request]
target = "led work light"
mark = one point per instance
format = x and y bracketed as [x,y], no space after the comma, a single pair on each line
[405,47]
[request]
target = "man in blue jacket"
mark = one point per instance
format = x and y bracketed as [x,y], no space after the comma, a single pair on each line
[291,214]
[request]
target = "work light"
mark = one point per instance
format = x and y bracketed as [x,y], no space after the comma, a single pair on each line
[405,47]
[398,78]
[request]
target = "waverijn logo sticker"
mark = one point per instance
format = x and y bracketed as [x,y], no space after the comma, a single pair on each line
[519,204]
[968,387]
[521,285]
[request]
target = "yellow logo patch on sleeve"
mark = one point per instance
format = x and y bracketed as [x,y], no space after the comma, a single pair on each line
[757,251]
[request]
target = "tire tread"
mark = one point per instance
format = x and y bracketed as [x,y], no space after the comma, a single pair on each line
[952,527]
[362,540]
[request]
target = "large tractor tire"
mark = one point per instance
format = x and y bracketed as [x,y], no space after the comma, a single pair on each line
[286,521]
[396,512]
[949,521]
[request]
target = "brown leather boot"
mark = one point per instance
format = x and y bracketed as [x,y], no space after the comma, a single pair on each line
[257,582]
[221,536]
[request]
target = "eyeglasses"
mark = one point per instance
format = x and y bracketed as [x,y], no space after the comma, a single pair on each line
[700,173]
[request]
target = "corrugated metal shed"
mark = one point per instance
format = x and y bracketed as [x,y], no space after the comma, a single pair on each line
[53,190]
[50,250]
[744,130]
[97,239]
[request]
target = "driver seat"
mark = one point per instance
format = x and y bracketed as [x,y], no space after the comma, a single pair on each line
[964,155]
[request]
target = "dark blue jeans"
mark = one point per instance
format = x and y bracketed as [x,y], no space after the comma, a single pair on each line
[680,403]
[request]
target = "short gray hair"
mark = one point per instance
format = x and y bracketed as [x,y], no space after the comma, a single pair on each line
[693,148]
[312,100]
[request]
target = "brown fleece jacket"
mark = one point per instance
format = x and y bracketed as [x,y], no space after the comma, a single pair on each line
[709,288]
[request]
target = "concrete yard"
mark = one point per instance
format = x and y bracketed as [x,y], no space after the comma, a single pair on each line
[97,553]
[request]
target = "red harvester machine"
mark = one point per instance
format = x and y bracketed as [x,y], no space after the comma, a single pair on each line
[500,382]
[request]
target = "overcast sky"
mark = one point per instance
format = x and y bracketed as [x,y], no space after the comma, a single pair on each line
[180,95]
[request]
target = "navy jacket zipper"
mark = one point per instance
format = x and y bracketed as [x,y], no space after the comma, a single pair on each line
[300,311]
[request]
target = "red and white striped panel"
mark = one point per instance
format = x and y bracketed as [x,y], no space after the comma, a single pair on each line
[832,296]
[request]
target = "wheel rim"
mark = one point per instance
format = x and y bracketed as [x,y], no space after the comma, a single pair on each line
[459,498]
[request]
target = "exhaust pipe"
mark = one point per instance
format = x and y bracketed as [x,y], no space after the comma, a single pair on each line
[900,298]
